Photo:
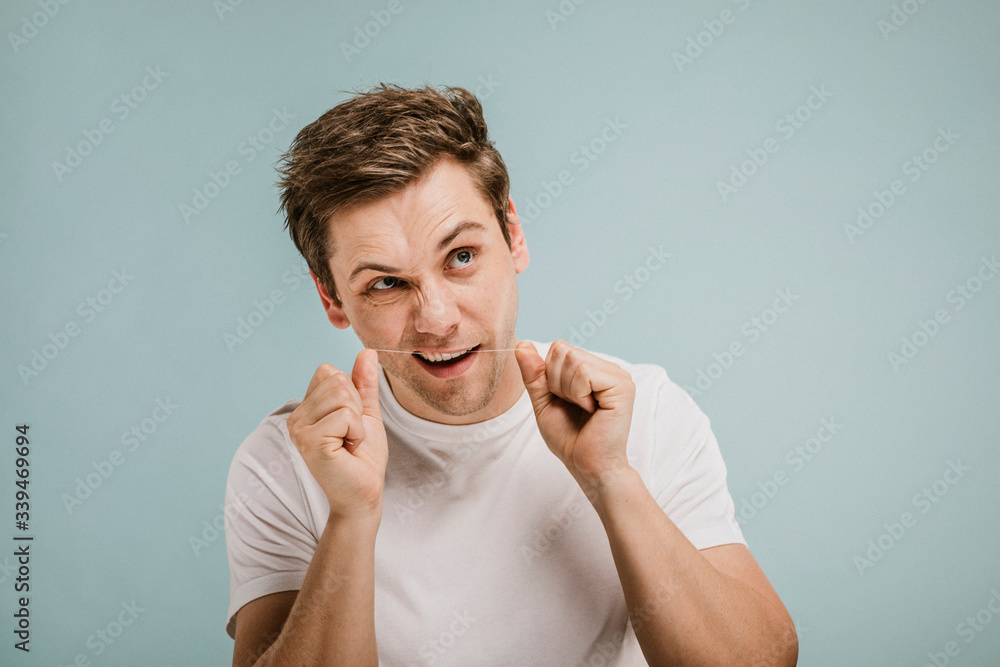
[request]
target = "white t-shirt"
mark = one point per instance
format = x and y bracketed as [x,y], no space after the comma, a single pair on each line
[488,551]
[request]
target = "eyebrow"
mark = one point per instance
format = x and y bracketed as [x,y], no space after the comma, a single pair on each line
[442,244]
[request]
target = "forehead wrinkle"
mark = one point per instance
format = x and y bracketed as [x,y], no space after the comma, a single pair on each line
[413,217]
[414,232]
[368,252]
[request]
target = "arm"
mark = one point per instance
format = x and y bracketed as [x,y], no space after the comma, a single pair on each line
[689,607]
[331,620]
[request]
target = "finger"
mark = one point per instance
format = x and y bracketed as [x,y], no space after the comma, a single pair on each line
[554,363]
[606,383]
[342,427]
[334,393]
[571,375]
[322,373]
[533,373]
[365,379]
[579,385]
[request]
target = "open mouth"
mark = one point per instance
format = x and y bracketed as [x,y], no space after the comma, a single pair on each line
[444,361]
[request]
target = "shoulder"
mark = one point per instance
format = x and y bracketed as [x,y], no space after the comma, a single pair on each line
[267,453]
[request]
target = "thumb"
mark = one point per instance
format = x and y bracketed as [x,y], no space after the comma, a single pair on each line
[365,378]
[532,373]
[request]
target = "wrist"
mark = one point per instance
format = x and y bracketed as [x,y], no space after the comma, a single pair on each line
[611,485]
[359,521]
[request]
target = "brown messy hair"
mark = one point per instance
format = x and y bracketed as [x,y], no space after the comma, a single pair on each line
[375,144]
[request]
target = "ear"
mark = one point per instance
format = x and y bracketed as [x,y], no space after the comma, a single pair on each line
[518,246]
[334,313]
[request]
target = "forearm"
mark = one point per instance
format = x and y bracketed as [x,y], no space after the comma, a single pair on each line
[333,619]
[683,610]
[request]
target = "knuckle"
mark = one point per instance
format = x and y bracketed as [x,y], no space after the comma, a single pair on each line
[345,414]
[342,381]
[342,395]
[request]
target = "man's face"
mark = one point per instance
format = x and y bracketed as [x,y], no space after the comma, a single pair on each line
[427,269]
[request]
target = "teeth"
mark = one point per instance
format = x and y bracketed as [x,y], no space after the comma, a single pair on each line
[441,357]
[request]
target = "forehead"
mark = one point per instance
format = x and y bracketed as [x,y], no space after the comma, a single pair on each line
[410,222]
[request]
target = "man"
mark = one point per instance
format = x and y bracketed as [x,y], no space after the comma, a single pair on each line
[520,503]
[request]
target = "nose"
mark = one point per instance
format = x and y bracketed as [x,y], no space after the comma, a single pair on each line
[436,310]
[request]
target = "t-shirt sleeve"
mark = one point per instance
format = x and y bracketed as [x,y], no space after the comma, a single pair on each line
[269,539]
[689,474]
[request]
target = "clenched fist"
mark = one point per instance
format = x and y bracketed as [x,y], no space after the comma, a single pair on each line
[338,430]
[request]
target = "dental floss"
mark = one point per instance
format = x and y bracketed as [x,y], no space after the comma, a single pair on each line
[513,349]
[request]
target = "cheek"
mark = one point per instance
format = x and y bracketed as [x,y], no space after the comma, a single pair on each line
[489,298]
[381,322]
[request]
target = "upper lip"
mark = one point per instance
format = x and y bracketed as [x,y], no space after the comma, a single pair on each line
[452,351]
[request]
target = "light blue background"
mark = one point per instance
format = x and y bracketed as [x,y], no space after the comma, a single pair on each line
[554,85]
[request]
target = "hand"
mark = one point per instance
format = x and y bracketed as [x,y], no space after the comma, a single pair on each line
[338,430]
[583,406]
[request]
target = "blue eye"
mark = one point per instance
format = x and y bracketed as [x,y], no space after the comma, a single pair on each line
[467,253]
